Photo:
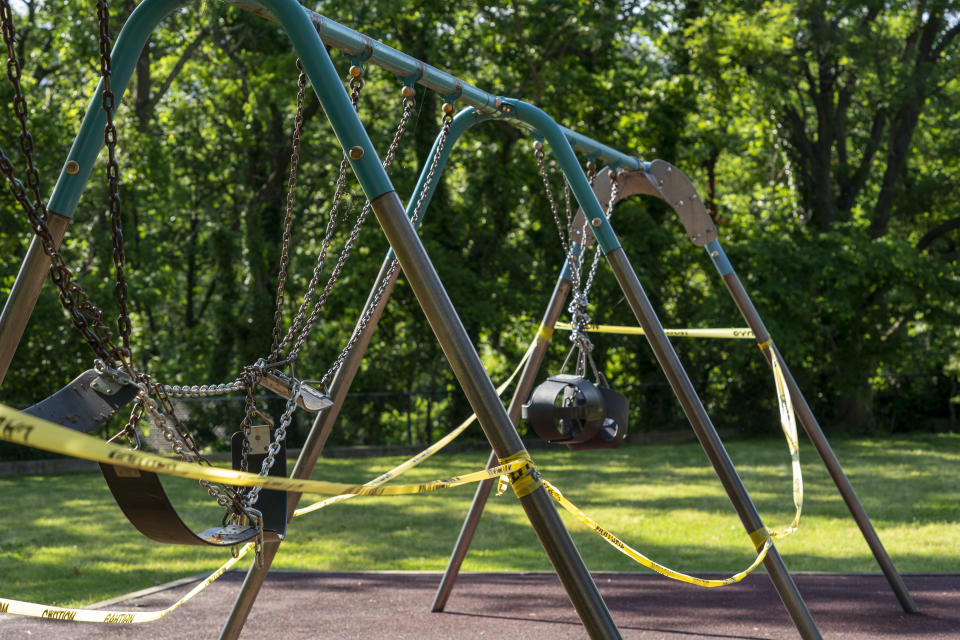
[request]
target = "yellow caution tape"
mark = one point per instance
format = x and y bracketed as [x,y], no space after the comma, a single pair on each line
[644,560]
[545,332]
[762,538]
[21,608]
[30,431]
[525,480]
[426,453]
[744,334]
[27,430]
[788,423]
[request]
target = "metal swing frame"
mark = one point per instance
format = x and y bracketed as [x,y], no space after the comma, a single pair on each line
[308,32]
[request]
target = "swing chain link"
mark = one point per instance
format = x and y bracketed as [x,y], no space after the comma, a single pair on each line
[20,109]
[538,154]
[291,197]
[297,328]
[281,433]
[580,291]
[356,83]
[395,264]
[108,102]
[84,315]
[614,197]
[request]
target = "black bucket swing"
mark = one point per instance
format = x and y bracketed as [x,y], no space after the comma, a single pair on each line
[569,409]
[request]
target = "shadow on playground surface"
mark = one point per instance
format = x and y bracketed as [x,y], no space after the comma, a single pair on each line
[396,605]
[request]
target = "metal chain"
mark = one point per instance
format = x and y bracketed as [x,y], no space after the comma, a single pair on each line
[614,196]
[288,220]
[85,316]
[395,264]
[20,105]
[538,154]
[281,433]
[301,327]
[108,102]
[251,375]
[356,86]
[582,346]
[304,331]
[202,390]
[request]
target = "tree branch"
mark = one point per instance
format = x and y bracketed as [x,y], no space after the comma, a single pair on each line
[947,38]
[853,186]
[184,57]
[924,243]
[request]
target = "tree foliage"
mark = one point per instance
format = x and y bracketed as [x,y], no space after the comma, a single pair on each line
[821,134]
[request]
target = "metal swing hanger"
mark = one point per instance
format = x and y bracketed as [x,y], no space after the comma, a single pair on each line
[568,408]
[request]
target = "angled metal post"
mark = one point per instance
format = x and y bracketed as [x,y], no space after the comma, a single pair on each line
[520,394]
[439,311]
[678,191]
[811,426]
[602,187]
[80,160]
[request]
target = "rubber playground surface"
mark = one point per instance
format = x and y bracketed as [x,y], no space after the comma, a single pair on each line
[295,605]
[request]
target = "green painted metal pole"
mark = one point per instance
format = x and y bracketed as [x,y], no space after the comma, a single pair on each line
[521,393]
[707,434]
[354,43]
[493,418]
[440,313]
[666,356]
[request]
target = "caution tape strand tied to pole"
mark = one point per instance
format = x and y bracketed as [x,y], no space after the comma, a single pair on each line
[762,540]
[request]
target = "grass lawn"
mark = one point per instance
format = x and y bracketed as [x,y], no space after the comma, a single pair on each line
[64,541]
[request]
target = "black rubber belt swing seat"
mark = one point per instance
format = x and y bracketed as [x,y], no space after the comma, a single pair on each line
[91,399]
[141,497]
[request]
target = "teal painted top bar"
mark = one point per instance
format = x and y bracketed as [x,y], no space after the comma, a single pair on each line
[719,258]
[89,140]
[553,134]
[323,77]
[305,35]
[354,43]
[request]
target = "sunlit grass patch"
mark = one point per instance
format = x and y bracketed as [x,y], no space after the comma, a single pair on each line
[65,542]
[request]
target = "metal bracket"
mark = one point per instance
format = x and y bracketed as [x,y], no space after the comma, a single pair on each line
[678,191]
[259,438]
[310,399]
[105,385]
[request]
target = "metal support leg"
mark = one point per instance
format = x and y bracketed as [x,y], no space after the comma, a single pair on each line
[310,453]
[25,291]
[493,418]
[819,440]
[524,386]
[470,524]
[708,437]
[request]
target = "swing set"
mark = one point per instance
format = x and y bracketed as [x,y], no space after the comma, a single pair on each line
[258,496]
